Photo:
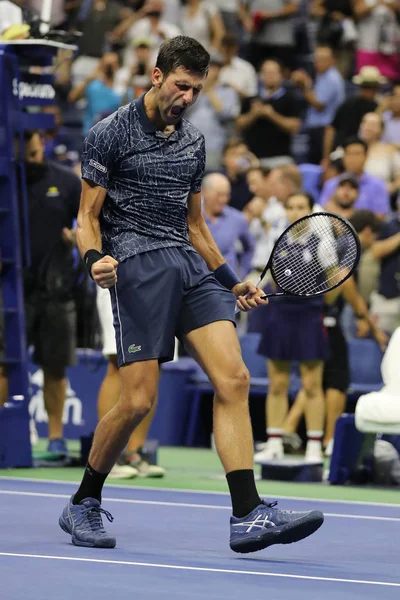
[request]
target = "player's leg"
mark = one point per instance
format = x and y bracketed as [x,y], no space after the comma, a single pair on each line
[133,461]
[311,378]
[255,524]
[276,409]
[145,308]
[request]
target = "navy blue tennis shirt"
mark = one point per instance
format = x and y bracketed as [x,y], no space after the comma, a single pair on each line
[148,177]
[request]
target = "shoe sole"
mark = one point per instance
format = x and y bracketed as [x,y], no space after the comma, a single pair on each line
[110,543]
[289,534]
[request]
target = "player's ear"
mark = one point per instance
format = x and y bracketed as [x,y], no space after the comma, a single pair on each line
[157,77]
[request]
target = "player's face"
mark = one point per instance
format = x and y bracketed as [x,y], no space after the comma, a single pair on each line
[179,90]
[297,207]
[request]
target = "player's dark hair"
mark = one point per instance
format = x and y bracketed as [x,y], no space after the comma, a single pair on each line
[306,195]
[185,52]
[355,140]
[365,218]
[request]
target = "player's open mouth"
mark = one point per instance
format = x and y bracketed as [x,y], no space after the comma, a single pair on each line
[177,111]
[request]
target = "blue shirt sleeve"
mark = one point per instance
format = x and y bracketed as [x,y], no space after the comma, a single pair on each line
[380,198]
[201,165]
[101,150]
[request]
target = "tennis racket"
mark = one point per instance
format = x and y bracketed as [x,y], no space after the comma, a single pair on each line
[314,255]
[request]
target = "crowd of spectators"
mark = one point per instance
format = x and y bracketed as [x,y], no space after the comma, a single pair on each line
[301,96]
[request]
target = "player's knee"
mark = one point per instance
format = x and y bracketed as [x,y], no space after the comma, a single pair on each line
[234,386]
[136,405]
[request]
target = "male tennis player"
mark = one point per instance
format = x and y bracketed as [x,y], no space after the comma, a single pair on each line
[142,234]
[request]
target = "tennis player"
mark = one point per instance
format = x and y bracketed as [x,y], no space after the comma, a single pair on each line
[142,234]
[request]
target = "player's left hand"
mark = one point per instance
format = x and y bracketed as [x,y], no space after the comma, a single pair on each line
[248,296]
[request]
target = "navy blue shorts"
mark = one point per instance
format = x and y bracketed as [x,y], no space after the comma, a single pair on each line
[161,294]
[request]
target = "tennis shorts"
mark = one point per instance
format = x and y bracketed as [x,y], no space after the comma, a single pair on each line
[163,294]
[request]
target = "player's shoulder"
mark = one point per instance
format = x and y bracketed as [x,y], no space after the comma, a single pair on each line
[117,121]
[191,132]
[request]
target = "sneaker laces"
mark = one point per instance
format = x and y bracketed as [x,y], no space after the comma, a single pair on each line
[93,515]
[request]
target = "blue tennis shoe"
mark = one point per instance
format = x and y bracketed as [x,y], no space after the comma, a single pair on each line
[83,521]
[267,525]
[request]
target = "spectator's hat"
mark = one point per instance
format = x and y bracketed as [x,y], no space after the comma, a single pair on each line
[369,76]
[142,42]
[349,178]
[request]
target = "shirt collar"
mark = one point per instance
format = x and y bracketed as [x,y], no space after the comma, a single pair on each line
[265,95]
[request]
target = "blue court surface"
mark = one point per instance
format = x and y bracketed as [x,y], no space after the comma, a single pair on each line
[174,545]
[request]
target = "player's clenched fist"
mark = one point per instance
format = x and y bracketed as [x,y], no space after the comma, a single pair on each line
[104,271]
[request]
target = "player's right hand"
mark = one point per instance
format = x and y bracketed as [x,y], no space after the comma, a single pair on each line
[104,272]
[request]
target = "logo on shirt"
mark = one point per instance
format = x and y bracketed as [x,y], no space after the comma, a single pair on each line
[53,192]
[191,154]
[133,348]
[98,166]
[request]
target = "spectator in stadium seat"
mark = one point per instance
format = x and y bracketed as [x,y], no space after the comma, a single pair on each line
[237,72]
[269,121]
[202,20]
[271,26]
[228,226]
[373,194]
[236,160]
[383,159]
[391,117]
[151,25]
[345,196]
[53,194]
[97,21]
[99,90]
[324,96]
[378,34]
[385,302]
[214,113]
[348,117]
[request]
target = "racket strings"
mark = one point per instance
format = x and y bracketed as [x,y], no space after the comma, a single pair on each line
[314,255]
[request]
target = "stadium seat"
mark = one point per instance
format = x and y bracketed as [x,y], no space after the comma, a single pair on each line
[365,359]
[311,179]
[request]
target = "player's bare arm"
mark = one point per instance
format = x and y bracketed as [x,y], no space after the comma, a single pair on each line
[248,296]
[88,237]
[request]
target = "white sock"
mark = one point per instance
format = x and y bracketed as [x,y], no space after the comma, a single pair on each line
[275,437]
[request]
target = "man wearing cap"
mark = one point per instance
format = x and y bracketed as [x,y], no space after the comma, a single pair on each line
[373,194]
[351,112]
[345,196]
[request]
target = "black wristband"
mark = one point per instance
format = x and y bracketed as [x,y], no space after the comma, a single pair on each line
[91,256]
[226,276]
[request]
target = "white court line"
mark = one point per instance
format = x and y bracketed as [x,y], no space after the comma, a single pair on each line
[184,505]
[146,488]
[201,569]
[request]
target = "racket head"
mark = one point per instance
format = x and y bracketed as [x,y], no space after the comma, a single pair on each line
[327,233]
